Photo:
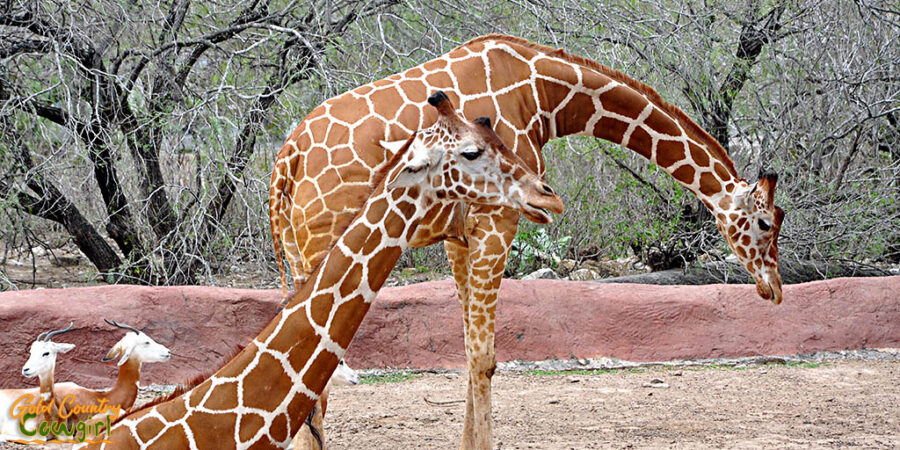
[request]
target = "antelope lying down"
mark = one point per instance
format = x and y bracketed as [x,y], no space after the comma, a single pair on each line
[42,364]
[73,400]
[132,351]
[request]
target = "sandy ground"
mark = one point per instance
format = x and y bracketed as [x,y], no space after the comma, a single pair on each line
[835,404]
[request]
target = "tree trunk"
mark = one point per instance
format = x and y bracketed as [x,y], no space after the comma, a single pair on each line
[754,35]
[56,207]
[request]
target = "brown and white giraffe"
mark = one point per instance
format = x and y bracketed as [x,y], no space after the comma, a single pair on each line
[534,94]
[262,396]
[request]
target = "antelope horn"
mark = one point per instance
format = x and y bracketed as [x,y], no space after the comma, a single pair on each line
[122,325]
[54,333]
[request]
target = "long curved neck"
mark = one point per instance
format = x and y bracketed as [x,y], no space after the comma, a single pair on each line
[322,318]
[264,394]
[582,97]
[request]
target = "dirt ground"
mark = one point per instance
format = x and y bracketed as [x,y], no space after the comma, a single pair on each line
[835,405]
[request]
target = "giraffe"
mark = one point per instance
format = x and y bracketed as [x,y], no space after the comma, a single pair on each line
[533,94]
[263,395]
[312,434]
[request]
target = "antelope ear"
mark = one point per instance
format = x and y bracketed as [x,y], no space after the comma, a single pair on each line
[112,354]
[126,355]
[64,348]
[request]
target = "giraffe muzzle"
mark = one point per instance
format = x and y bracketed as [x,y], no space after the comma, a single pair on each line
[540,205]
[770,291]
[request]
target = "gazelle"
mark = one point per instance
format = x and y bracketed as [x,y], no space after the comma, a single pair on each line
[42,364]
[133,350]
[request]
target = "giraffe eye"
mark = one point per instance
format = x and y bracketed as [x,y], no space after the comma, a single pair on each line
[763,225]
[472,156]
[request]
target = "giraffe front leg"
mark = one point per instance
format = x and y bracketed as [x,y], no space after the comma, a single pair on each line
[458,256]
[490,232]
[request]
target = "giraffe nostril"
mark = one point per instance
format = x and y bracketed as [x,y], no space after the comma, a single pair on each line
[547,188]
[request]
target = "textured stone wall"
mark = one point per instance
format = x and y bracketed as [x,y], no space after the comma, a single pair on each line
[420,325]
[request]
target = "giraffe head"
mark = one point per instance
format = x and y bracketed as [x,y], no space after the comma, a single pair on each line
[751,226]
[455,159]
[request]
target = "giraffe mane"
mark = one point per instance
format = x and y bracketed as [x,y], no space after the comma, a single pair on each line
[713,146]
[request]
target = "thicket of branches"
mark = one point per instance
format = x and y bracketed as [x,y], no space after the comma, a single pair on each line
[144,133]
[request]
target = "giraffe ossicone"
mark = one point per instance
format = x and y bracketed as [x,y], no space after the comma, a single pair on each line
[263,395]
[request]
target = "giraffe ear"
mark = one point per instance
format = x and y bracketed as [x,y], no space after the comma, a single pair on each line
[415,169]
[744,198]
[393,146]
[483,121]
[766,183]
[410,175]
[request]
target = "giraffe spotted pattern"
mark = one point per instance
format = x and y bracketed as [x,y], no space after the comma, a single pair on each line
[262,396]
[533,93]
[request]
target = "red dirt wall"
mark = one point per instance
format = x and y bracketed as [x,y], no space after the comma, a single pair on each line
[420,325]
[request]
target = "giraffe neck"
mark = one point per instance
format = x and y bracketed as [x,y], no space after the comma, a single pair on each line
[574,95]
[596,101]
[324,316]
[266,392]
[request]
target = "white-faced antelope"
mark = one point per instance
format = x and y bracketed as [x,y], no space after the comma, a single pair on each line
[312,435]
[42,364]
[132,351]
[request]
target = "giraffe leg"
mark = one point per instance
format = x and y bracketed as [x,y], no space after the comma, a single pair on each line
[490,232]
[458,256]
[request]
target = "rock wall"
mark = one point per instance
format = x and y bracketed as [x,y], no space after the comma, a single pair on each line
[420,326]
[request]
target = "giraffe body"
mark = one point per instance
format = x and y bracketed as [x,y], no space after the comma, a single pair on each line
[262,396]
[533,93]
